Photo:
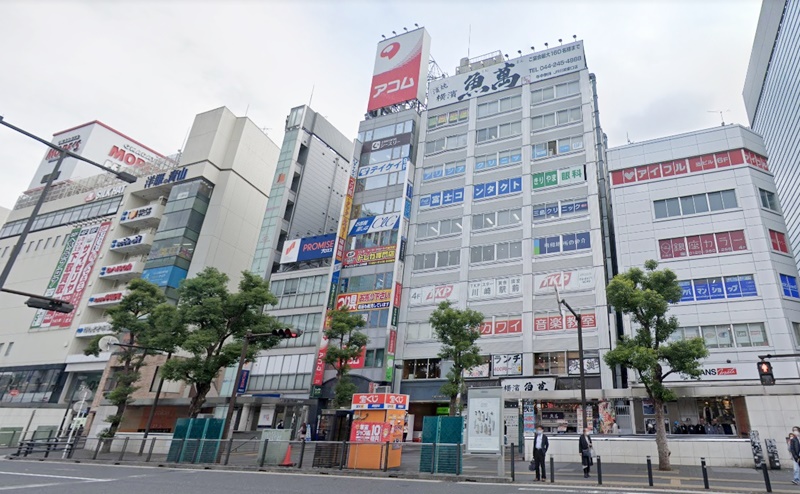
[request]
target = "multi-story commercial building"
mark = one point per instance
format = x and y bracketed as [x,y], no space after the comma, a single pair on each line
[93,235]
[705,205]
[773,102]
[294,251]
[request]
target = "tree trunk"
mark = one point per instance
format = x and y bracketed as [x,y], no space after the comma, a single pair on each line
[661,437]
[201,390]
[453,405]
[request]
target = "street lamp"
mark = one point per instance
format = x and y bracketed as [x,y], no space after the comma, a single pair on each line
[39,301]
[580,357]
[248,338]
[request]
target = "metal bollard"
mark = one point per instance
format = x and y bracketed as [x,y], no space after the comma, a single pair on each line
[263,454]
[513,472]
[150,451]
[650,471]
[97,449]
[124,447]
[767,483]
[552,470]
[705,472]
[344,455]
[228,451]
[386,458]
[599,471]
[302,453]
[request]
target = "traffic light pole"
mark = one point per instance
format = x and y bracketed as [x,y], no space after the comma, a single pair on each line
[580,360]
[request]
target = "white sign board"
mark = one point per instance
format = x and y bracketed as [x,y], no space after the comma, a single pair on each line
[565,281]
[485,420]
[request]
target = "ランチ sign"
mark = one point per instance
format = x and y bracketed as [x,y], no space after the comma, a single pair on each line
[401,68]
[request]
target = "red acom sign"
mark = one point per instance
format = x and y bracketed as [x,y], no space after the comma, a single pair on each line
[401,66]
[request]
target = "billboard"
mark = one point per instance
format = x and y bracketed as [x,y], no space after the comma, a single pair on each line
[371,224]
[72,272]
[376,299]
[98,142]
[509,74]
[401,69]
[370,255]
[308,248]
[565,281]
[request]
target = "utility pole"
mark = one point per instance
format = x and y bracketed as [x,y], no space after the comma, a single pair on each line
[580,357]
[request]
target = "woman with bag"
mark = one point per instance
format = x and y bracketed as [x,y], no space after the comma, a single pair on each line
[586,452]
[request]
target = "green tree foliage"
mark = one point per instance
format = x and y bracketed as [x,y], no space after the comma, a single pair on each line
[458,331]
[143,319]
[346,341]
[645,296]
[212,322]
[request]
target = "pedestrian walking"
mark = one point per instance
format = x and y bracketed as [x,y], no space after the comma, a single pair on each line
[586,452]
[303,431]
[794,449]
[614,426]
[540,445]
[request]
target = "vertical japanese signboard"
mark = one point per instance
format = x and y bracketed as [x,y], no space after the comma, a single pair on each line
[72,272]
[401,68]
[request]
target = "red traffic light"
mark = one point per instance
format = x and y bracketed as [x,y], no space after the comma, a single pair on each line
[286,333]
[765,373]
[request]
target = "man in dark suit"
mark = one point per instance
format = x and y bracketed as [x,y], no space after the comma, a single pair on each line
[540,445]
[585,450]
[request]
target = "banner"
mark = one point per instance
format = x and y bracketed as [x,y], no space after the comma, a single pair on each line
[376,299]
[371,255]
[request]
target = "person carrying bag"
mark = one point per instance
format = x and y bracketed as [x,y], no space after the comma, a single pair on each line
[540,445]
[586,451]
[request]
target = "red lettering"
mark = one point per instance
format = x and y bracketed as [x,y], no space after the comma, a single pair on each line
[117,153]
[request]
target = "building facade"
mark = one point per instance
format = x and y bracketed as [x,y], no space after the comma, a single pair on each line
[773,102]
[93,235]
[705,205]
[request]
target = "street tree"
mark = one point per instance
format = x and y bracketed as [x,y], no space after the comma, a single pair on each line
[346,342]
[458,331]
[141,320]
[645,295]
[212,323]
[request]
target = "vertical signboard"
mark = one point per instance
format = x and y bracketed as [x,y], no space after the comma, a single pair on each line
[485,420]
[72,273]
[401,68]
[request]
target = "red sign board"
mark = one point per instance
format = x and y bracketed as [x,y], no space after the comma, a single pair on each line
[401,66]
[380,401]
[370,432]
[697,245]
[371,255]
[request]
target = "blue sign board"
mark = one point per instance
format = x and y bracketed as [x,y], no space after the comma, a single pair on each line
[241,385]
[444,198]
[317,247]
[165,276]
[688,291]
[789,285]
[499,188]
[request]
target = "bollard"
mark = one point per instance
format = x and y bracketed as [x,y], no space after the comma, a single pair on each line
[263,454]
[767,483]
[513,472]
[344,455]
[302,453]
[150,451]
[552,470]
[97,449]
[705,472]
[386,458]
[124,447]
[599,471]
[228,451]
[649,471]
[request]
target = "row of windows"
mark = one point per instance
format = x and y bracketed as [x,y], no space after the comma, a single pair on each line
[503,158]
[499,131]
[366,283]
[387,154]
[34,245]
[449,118]
[374,358]
[299,301]
[374,318]
[308,284]
[386,131]
[376,208]
[64,216]
[499,106]
[725,335]
[374,239]
[446,143]
[496,219]
[557,146]
[496,252]
[422,368]
[282,364]
[718,288]
[446,170]
[555,92]
[439,228]
[565,363]
[279,382]
[441,259]
[378,181]
[561,117]
[309,324]
[29,386]
[695,204]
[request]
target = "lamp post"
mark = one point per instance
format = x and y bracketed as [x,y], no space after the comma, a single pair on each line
[580,357]
[39,301]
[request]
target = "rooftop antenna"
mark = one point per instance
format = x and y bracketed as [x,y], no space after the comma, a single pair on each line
[720,114]
[559,41]
[469,39]
[312,95]
[628,138]
[247,109]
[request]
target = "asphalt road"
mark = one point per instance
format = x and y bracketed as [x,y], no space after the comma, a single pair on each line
[66,478]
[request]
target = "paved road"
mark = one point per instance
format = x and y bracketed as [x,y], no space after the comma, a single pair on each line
[66,478]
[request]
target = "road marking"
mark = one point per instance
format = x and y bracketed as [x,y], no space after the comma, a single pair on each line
[32,486]
[64,477]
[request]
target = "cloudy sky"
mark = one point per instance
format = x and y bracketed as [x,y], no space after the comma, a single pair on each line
[146,67]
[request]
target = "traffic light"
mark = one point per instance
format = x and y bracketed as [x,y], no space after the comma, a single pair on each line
[47,304]
[765,373]
[286,333]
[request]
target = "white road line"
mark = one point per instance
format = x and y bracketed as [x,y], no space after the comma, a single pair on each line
[32,486]
[64,477]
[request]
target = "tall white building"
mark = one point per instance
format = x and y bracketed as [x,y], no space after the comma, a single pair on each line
[704,204]
[94,234]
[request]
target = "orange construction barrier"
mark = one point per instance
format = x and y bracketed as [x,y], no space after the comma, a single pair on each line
[287,460]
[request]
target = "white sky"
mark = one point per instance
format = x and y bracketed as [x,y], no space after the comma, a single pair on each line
[147,68]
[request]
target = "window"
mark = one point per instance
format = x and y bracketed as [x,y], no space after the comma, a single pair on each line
[375,318]
[543,121]
[499,131]
[446,144]
[697,245]
[725,335]
[556,147]
[567,242]
[374,358]
[386,131]
[8,348]
[277,372]
[695,204]
[417,331]
[447,170]
[377,181]
[769,200]
[749,335]
[366,283]
[439,259]
[439,228]
[558,209]
[503,158]
[300,292]
[499,106]
[562,117]
[449,118]
[565,363]
[558,91]
[425,368]
[374,239]
[778,241]
[795,328]
[497,219]
[568,89]
[725,199]
[498,252]
[789,286]
[386,154]
[65,216]
[376,208]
